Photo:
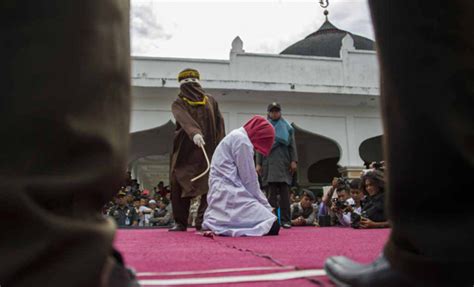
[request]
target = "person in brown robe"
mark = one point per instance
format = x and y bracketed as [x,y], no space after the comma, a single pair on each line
[198,122]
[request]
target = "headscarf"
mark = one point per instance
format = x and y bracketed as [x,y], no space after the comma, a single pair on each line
[261,133]
[283,131]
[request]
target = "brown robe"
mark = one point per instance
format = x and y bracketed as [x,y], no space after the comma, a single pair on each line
[187,159]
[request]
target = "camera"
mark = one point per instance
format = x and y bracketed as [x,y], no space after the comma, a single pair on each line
[355,219]
[339,204]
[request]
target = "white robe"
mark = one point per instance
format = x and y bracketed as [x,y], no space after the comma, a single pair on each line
[237,206]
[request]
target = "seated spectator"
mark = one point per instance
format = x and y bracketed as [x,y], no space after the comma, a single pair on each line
[152,205]
[162,189]
[373,208]
[303,213]
[163,215]
[123,214]
[144,212]
[357,195]
[128,179]
[145,193]
[342,205]
[130,198]
[326,216]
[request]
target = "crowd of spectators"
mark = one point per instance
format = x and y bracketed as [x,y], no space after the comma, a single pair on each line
[133,206]
[356,203]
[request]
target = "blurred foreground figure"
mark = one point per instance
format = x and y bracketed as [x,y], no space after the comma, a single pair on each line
[64,107]
[426,52]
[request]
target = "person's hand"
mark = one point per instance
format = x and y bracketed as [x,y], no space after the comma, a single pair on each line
[258,168]
[334,182]
[297,222]
[293,167]
[366,223]
[301,220]
[335,209]
[198,140]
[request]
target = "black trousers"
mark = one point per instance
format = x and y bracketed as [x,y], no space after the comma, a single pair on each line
[181,206]
[426,52]
[274,230]
[282,190]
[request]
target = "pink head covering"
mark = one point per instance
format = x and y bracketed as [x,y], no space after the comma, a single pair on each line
[261,133]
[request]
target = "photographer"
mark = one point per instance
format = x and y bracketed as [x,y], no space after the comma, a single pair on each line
[326,216]
[342,205]
[373,209]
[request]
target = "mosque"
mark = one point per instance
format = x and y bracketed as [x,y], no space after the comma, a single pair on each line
[327,85]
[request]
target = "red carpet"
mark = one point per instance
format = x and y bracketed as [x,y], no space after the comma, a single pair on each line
[159,251]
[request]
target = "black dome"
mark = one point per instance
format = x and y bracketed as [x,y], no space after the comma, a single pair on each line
[327,42]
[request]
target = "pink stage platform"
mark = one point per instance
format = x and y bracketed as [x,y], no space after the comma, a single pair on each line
[294,258]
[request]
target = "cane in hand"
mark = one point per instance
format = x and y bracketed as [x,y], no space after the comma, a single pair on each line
[208,166]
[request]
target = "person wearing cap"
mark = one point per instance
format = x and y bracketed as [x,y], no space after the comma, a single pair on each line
[123,214]
[199,123]
[278,168]
[303,213]
[237,206]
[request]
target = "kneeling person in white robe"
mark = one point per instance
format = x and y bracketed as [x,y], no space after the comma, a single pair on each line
[237,206]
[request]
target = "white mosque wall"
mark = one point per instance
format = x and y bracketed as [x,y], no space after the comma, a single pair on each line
[356,72]
[333,97]
[348,127]
[287,69]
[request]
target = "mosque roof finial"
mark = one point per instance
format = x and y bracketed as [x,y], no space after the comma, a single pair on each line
[324,3]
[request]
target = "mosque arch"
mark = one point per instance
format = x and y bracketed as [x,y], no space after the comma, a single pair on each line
[317,155]
[371,149]
[153,141]
[149,153]
[324,170]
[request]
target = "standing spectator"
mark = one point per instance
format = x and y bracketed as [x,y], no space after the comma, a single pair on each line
[123,214]
[278,168]
[199,123]
[303,212]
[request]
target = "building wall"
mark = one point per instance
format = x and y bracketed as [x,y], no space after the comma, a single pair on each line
[347,126]
[337,98]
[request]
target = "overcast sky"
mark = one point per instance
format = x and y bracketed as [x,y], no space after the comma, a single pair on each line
[198,29]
